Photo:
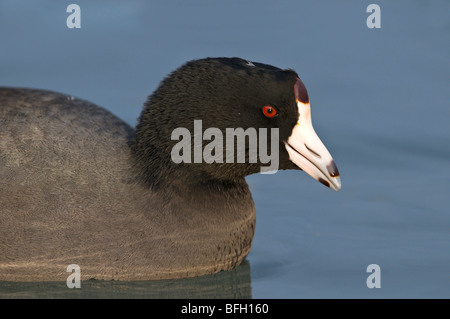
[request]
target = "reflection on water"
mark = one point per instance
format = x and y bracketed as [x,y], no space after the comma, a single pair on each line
[223,285]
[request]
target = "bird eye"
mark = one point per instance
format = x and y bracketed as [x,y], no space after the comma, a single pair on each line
[269,111]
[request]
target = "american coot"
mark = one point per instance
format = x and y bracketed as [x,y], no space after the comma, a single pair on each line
[79,186]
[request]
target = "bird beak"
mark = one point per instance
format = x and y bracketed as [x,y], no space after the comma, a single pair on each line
[307,151]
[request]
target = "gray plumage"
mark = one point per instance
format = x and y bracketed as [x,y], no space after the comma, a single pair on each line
[80,186]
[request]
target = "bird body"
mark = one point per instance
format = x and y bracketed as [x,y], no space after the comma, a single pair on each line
[80,186]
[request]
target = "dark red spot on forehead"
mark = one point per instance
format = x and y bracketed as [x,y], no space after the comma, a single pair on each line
[300,92]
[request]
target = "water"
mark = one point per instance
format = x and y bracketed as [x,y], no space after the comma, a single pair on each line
[380,102]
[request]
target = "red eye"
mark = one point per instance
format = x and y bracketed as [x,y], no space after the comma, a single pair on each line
[269,111]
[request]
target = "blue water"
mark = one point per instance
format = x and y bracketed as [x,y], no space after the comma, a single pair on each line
[380,103]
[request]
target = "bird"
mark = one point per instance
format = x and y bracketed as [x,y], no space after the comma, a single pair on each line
[80,186]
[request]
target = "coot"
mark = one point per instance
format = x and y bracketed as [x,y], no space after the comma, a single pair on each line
[80,186]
